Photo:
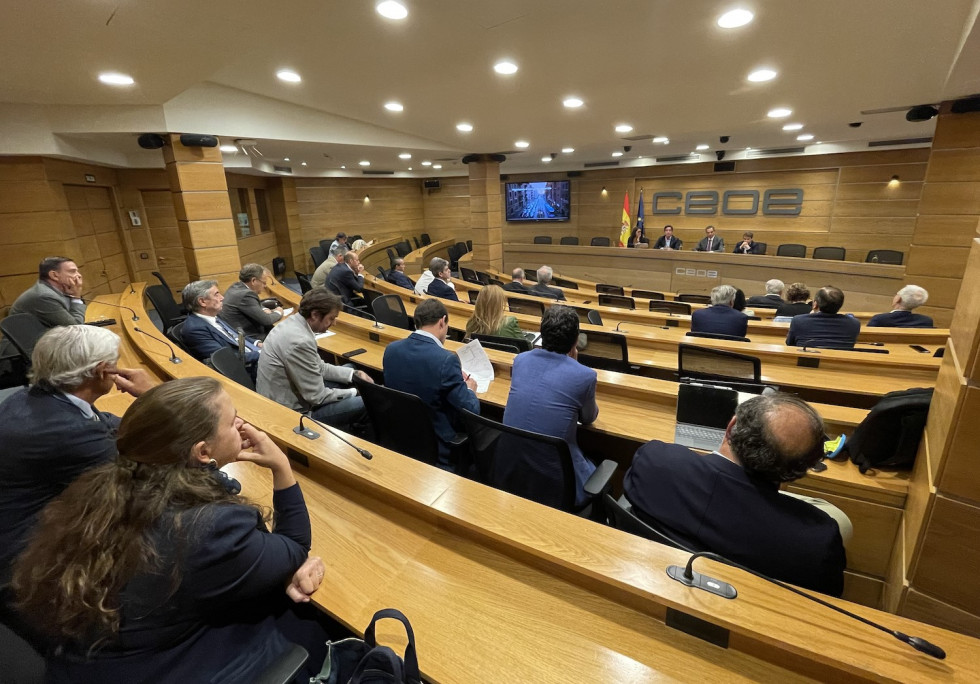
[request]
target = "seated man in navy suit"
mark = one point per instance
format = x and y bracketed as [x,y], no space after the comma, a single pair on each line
[203,333]
[421,366]
[667,240]
[542,289]
[901,316]
[441,281]
[771,299]
[720,317]
[517,283]
[824,327]
[747,245]
[347,279]
[729,502]
[397,275]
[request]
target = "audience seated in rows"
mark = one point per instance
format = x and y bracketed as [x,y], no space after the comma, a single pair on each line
[204,333]
[319,277]
[720,317]
[908,298]
[771,299]
[338,246]
[797,302]
[541,288]
[517,283]
[428,275]
[824,327]
[441,284]
[729,502]
[397,275]
[242,309]
[489,317]
[347,279]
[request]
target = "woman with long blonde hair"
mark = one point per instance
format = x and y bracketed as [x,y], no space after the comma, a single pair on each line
[489,316]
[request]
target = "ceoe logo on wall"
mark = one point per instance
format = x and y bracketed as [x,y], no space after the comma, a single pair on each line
[776,202]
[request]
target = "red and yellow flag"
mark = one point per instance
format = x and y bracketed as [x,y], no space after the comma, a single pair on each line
[624,232]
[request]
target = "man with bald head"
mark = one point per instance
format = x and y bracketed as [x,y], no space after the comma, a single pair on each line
[729,501]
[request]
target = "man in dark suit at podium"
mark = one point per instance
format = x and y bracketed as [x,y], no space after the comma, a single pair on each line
[720,317]
[901,316]
[711,242]
[667,240]
[824,327]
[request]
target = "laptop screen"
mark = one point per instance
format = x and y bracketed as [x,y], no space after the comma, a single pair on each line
[706,405]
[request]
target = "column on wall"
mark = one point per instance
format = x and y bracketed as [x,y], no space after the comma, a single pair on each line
[285,218]
[484,173]
[200,194]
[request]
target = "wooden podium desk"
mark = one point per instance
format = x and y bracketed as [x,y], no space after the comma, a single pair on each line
[501,589]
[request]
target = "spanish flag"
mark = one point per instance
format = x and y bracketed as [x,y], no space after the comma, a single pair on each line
[624,233]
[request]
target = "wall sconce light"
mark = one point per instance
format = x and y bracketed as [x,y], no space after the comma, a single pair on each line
[604,193]
[894,182]
[367,198]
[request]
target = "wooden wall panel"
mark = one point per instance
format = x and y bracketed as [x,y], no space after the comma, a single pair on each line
[927,260]
[950,198]
[959,475]
[951,231]
[958,165]
[949,557]
[919,606]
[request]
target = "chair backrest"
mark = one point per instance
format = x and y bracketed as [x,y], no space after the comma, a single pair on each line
[568,240]
[23,331]
[525,306]
[609,289]
[761,247]
[718,336]
[383,273]
[425,239]
[163,281]
[884,256]
[418,245]
[390,310]
[402,422]
[716,364]
[600,242]
[791,250]
[542,239]
[278,268]
[530,465]
[594,317]
[521,344]
[606,350]
[392,255]
[473,294]
[318,256]
[304,283]
[484,278]
[693,298]
[833,253]
[531,274]
[671,307]
[469,275]
[403,248]
[469,245]
[562,282]
[495,281]
[325,246]
[616,300]
[174,334]
[622,518]
[647,294]
[163,301]
[227,362]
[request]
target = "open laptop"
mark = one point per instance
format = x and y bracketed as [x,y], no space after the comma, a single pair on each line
[703,413]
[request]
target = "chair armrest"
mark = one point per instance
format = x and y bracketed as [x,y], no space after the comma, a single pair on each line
[459,439]
[599,481]
[285,667]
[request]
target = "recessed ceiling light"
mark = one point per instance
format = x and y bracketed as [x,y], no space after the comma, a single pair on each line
[409,168]
[302,163]
[779,112]
[761,75]
[805,136]
[364,163]
[112,78]
[390,9]
[546,160]
[464,127]
[793,127]
[404,155]
[703,147]
[748,149]
[572,102]
[285,158]
[623,128]
[228,148]
[506,68]
[661,139]
[288,75]
[735,18]
[437,166]
[394,106]
[342,166]
[426,163]
[522,144]
[617,154]
[567,150]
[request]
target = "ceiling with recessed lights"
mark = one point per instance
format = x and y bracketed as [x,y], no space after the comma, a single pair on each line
[586,76]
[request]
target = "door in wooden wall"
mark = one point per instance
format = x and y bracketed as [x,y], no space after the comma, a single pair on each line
[162,220]
[103,263]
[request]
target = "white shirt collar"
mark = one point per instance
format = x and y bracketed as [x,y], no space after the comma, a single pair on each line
[426,333]
[81,404]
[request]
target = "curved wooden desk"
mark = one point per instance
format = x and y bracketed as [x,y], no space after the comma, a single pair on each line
[418,260]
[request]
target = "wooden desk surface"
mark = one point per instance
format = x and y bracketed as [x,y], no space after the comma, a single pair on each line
[499,588]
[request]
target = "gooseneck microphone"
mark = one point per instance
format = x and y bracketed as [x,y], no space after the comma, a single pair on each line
[310,434]
[173,356]
[118,306]
[363,314]
[690,578]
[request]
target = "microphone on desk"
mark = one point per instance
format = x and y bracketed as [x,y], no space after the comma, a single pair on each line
[310,434]
[688,577]
[173,356]
[363,314]
[118,306]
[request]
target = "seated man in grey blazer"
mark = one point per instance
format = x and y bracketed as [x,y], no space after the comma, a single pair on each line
[241,308]
[710,242]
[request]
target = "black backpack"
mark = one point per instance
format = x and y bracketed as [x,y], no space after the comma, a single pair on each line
[364,661]
[889,435]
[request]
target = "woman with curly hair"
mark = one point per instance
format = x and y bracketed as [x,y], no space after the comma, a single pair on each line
[488,315]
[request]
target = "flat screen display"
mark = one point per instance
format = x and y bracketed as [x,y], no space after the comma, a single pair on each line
[543,201]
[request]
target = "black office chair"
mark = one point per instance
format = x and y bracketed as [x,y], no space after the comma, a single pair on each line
[163,281]
[542,239]
[279,268]
[473,294]
[531,465]
[173,334]
[600,242]
[621,517]
[606,350]
[418,245]
[454,255]
[501,346]
[304,282]
[521,344]
[791,250]
[484,278]
[23,331]
[884,256]
[227,362]
[672,308]
[22,664]
[495,281]
[390,310]
[594,317]
[162,299]
[609,289]
[325,246]
[718,336]
[383,274]
[568,240]
[403,248]
[469,275]
[693,298]
[761,247]
[648,294]
[703,363]
[425,239]
[469,245]
[531,274]
[318,256]
[525,306]
[562,282]
[392,255]
[618,301]
[832,253]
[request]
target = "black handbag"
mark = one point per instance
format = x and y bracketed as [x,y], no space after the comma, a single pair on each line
[362,661]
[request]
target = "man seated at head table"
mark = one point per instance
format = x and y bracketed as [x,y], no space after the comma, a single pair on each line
[52,432]
[747,245]
[242,309]
[441,285]
[420,365]
[396,276]
[824,327]
[667,240]
[908,298]
[204,333]
[292,373]
[710,242]
[542,289]
[551,393]
[720,318]
[771,299]
[319,278]
[729,502]
[517,283]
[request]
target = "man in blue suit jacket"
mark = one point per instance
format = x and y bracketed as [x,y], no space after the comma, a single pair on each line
[908,298]
[439,287]
[397,275]
[347,279]
[421,366]
[824,327]
[720,317]
[203,333]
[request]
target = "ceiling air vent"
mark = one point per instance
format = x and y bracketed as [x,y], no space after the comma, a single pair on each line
[282,169]
[900,141]
[371,172]
[597,165]
[679,158]
[776,152]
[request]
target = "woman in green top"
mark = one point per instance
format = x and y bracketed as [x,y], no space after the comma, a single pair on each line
[488,315]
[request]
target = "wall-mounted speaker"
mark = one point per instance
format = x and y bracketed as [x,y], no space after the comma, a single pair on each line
[574,174]
[966,104]
[151,141]
[431,184]
[724,166]
[198,140]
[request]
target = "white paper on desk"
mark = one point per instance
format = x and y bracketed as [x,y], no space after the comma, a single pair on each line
[286,312]
[320,336]
[473,357]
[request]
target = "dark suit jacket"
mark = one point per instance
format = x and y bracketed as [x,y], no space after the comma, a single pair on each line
[514,286]
[241,309]
[900,319]
[49,306]
[823,330]
[438,288]
[218,625]
[754,248]
[419,366]
[202,339]
[343,280]
[400,279]
[769,301]
[709,503]
[720,319]
[661,243]
[793,309]
[47,443]
[717,245]
[545,291]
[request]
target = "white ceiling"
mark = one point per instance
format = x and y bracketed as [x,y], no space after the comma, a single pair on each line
[662,66]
